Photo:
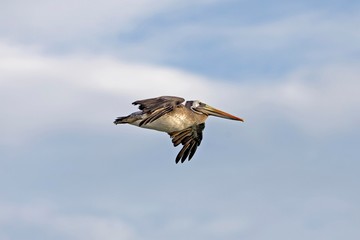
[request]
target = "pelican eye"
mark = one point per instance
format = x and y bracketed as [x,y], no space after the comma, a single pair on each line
[195,106]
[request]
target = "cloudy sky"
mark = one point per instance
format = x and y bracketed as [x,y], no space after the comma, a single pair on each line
[290,69]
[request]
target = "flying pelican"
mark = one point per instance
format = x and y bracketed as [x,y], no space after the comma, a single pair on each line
[184,123]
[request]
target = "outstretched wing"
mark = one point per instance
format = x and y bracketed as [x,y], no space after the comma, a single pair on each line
[157,107]
[190,138]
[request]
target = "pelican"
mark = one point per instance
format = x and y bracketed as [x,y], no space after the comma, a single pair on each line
[184,123]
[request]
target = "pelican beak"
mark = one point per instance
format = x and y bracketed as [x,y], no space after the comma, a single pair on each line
[206,109]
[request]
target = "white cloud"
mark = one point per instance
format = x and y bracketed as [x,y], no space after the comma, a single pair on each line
[67,19]
[43,92]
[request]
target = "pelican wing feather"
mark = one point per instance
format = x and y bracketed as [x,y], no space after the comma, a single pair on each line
[190,138]
[157,107]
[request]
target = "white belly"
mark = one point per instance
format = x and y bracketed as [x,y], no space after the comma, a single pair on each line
[169,123]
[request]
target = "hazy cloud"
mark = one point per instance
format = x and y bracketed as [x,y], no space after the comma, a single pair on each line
[42,91]
[46,220]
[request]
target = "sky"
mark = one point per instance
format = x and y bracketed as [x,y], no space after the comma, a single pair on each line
[290,69]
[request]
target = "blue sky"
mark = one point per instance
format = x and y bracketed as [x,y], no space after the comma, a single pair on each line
[290,69]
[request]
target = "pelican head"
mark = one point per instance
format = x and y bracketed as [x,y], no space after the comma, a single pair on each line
[203,108]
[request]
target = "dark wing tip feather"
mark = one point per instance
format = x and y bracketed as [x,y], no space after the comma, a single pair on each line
[190,138]
[193,150]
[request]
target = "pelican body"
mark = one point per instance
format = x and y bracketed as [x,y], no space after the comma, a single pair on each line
[184,123]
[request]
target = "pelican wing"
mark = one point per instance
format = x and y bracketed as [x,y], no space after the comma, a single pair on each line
[157,107]
[190,138]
